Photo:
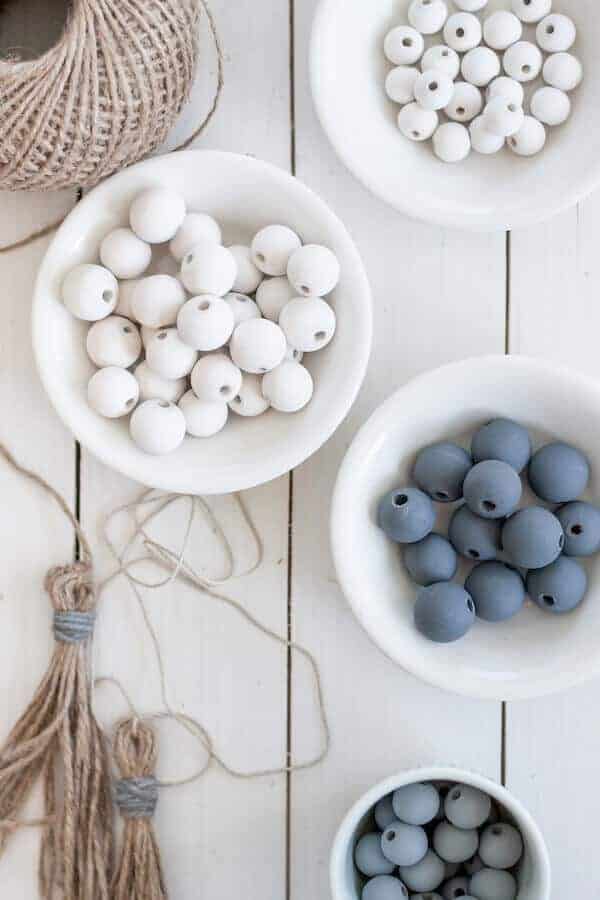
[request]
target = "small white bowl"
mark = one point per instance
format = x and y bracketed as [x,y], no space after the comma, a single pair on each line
[244,195]
[532,654]
[534,875]
[348,71]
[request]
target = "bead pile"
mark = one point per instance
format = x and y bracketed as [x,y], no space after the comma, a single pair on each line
[516,551]
[484,109]
[439,841]
[224,330]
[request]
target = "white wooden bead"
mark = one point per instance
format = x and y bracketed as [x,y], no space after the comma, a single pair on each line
[257,346]
[463,32]
[242,307]
[556,33]
[451,142]
[90,292]
[416,123]
[248,275]
[403,45]
[272,248]
[466,102]
[480,66]
[427,16]
[508,88]
[112,392]
[313,270]
[433,89]
[215,378]
[441,57]
[308,324]
[155,387]
[126,289]
[157,427]
[272,296]
[125,254]
[400,84]
[168,355]
[203,418]
[531,11]
[195,228]
[503,118]
[205,322]
[563,71]
[288,387]
[114,341]
[148,334]
[208,268]
[156,300]
[293,354]
[550,106]
[530,139]
[502,29]
[523,61]
[249,400]
[483,141]
[471,5]
[156,214]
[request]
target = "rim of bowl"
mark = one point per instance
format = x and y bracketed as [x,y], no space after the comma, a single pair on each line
[436,773]
[243,478]
[410,204]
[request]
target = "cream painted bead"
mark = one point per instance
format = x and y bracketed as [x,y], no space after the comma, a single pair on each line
[400,84]
[503,118]
[248,275]
[249,400]
[466,102]
[208,268]
[202,418]
[216,379]
[195,228]
[114,341]
[502,29]
[403,45]
[530,139]
[523,61]
[506,87]
[156,300]
[157,427]
[272,248]
[452,142]
[90,292]
[556,33]
[156,214]
[563,71]
[550,106]
[168,355]
[112,392]
[427,16]
[441,57]
[205,322]
[416,123]
[531,11]
[463,32]
[125,254]
[471,5]
[242,307]
[480,66]
[155,387]
[126,289]
[308,324]
[272,296]
[257,346]
[433,89]
[483,141]
[313,270]
[288,387]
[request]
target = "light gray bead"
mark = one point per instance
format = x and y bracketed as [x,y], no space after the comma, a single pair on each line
[416,804]
[466,807]
[455,888]
[431,560]
[558,588]
[501,846]
[426,875]
[475,538]
[558,473]
[384,887]
[492,489]
[404,845]
[384,813]
[455,844]
[493,884]
[505,440]
[440,471]
[532,538]
[368,857]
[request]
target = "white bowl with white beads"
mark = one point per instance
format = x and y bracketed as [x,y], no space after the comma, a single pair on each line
[496,192]
[243,195]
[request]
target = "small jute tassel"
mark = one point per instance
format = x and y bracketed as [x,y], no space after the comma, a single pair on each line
[139,872]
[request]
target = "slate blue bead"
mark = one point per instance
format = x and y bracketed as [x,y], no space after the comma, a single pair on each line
[492,489]
[559,473]
[455,888]
[407,515]
[404,845]
[474,537]
[501,846]
[455,844]
[581,524]
[502,439]
[498,591]
[430,560]
[384,813]
[384,887]
[444,613]
[493,884]
[467,807]
[440,471]
[532,538]
[368,857]
[416,804]
[559,587]
[426,875]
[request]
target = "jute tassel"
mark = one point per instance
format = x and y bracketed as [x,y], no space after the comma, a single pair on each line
[139,873]
[58,739]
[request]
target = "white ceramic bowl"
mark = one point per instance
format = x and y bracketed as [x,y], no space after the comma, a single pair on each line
[532,654]
[534,870]
[244,195]
[348,71]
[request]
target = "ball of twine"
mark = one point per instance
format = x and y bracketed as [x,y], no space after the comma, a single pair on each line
[102,98]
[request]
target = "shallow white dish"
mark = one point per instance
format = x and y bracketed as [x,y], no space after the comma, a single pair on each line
[244,195]
[348,70]
[534,653]
[534,875]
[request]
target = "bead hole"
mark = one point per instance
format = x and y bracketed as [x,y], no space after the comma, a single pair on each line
[224,390]
[488,506]
[470,606]
[526,69]
[496,831]
[107,296]
[204,305]
[304,288]
[400,500]
[550,29]
[237,399]
[512,108]
[189,258]
[416,134]
[460,110]
[513,142]
[474,554]
[548,599]
[442,495]
[561,541]
[320,335]
[433,86]
[261,257]
[577,529]
[460,893]
[163,404]
[444,53]
[460,32]
[390,836]
[456,795]
[161,336]
[407,42]
[127,329]
[130,402]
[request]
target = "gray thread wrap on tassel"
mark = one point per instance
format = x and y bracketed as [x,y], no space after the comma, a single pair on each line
[73,626]
[137,797]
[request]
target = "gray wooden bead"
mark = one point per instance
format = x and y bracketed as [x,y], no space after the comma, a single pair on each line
[440,471]
[558,473]
[581,524]
[501,846]
[416,804]
[532,538]
[492,489]
[368,857]
[498,592]
[404,845]
[444,612]
[466,807]
[384,813]
[502,439]
[475,538]
[455,844]
[426,875]
[384,887]
[406,515]
[558,588]
[493,884]
[430,560]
